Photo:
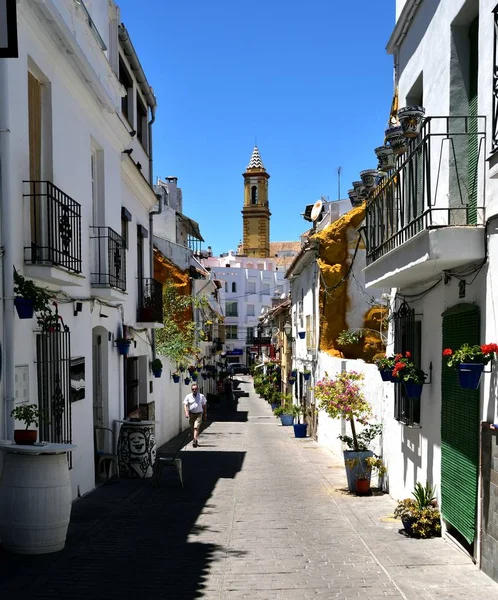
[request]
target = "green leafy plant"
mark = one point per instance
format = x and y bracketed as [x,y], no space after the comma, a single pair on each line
[424,495]
[421,511]
[367,466]
[405,370]
[343,397]
[306,372]
[283,410]
[156,365]
[348,337]
[386,363]
[470,354]
[364,439]
[29,414]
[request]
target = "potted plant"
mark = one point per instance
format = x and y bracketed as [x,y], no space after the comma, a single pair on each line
[29,297]
[306,374]
[299,428]
[385,156]
[186,381]
[469,362]
[285,414]
[181,368]
[385,364]
[411,119]
[396,139]
[369,178]
[123,345]
[291,380]
[191,369]
[363,471]
[176,376]
[156,367]
[420,515]
[194,375]
[29,414]
[301,334]
[342,397]
[412,377]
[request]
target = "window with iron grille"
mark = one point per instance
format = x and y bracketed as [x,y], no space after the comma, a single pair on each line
[494,131]
[132,399]
[407,338]
[53,358]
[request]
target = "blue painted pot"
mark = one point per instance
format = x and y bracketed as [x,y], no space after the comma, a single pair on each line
[176,378]
[123,347]
[387,375]
[286,420]
[157,373]
[300,430]
[186,381]
[351,474]
[306,376]
[301,334]
[413,390]
[24,307]
[469,375]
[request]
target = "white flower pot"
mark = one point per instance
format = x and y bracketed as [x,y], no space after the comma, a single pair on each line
[411,119]
[385,155]
[355,201]
[395,137]
[369,178]
[359,188]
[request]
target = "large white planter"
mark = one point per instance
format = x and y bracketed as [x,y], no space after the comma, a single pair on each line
[35,503]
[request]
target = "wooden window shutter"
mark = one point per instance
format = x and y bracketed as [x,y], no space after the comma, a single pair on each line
[35,127]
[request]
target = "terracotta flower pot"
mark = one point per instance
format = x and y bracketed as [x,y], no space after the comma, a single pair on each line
[362,486]
[25,437]
[411,119]
[385,155]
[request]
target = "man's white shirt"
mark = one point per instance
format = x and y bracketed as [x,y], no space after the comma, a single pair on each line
[195,404]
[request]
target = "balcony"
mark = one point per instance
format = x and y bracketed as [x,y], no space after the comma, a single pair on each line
[55,251]
[150,307]
[176,253]
[427,215]
[108,252]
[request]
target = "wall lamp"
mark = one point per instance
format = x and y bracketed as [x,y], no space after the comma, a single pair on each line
[287,328]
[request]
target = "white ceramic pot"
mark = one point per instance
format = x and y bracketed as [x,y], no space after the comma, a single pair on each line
[385,155]
[396,139]
[411,119]
[359,188]
[369,178]
[355,201]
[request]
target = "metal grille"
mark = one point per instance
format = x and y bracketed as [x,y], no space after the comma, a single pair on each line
[494,141]
[459,428]
[406,339]
[53,356]
[55,227]
[433,185]
[109,258]
[150,308]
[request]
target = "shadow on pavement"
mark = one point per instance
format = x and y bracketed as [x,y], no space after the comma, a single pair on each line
[130,540]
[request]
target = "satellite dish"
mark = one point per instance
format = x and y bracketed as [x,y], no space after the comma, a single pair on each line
[316,211]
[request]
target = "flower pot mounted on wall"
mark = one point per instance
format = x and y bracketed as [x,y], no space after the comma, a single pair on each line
[413,390]
[123,346]
[469,375]
[411,119]
[301,334]
[24,307]
[157,372]
[176,378]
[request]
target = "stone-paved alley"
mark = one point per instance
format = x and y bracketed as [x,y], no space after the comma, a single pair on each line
[262,515]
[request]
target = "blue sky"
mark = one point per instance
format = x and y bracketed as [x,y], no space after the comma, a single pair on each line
[311,80]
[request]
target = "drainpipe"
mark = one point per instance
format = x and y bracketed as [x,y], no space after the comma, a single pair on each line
[151,255]
[6,265]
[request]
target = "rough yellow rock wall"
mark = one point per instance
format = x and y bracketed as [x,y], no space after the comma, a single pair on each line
[334,263]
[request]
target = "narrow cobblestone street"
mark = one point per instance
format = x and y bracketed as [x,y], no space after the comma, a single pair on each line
[263,515]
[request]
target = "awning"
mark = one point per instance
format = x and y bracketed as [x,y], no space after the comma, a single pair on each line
[192,226]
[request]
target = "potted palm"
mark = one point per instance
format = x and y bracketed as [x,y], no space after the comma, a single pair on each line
[156,367]
[29,414]
[363,471]
[299,428]
[420,515]
[412,377]
[470,362]
[342,397]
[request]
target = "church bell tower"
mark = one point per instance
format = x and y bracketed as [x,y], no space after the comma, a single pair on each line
[256,212]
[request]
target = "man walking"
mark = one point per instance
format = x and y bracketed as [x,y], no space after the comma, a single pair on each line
[195,405]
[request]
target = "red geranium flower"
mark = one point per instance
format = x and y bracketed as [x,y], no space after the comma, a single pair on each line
[447,352]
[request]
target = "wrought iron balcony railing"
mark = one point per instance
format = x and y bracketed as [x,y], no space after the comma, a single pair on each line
[436,183]
[150,306]
[109,258]
[55,227]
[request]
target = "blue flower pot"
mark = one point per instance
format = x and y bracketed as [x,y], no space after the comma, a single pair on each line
[469,375]
[123,347]
[413,390]
[176,378]
[301,334]
[286,420]
[387,375]
[300,430]
[157,373]
[306,376]
[186,381]
[24,307]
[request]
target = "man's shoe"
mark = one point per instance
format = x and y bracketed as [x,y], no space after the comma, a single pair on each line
[194,444]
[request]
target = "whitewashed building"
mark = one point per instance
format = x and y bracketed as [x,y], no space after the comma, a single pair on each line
[77,204]
[431,237]
[248,286]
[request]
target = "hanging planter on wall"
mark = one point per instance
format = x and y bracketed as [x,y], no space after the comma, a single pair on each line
[413,390]
[176,377]
[123,346]
[411,119]
[301,334]
[307,375]
[186,381]
[25,307]
[291,380]
[469,375]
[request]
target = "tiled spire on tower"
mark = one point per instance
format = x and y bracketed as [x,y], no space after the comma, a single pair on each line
[255,162]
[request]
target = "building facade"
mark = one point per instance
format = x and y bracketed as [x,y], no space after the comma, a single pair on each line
[77,206]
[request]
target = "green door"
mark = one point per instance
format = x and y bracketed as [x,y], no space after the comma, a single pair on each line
[460,423]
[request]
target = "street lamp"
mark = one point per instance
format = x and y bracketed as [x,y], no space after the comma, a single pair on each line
[288,328]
